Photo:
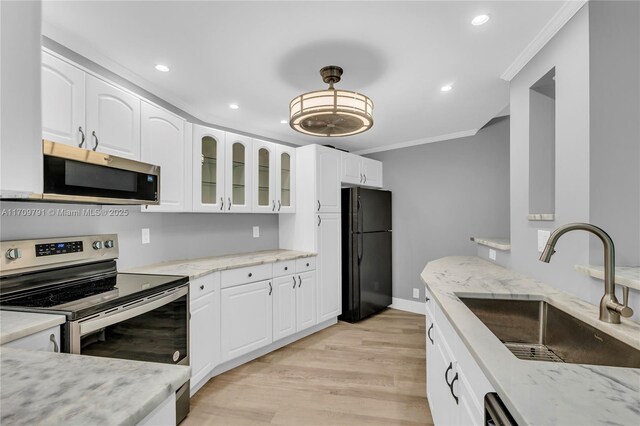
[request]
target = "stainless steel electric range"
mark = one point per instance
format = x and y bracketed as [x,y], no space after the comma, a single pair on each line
[132,316]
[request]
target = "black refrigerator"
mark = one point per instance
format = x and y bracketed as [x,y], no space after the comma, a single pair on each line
[366,252]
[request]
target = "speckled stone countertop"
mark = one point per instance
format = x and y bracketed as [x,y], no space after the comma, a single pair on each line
[45,388]
[536,392]
[625,275]
[503,244]
[15,325]
[196,268]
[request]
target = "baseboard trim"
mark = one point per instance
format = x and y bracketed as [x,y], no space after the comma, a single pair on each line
[408,305]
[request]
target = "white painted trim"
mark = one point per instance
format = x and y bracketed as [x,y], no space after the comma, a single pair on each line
[423,141]
[408,305]
[562,16]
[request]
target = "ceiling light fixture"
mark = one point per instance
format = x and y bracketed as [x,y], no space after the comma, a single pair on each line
[234,106]
[162,68]
[446,88]
[331,112]
[480,19]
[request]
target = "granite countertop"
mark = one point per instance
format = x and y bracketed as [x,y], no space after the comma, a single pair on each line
[494,242]
[536,392]
[196,268]
[54,388]
[15,325]
[625,275]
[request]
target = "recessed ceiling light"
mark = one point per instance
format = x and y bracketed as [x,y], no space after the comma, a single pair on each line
[162,68]
[480,19]
[446,88]
[234,106]
[283,121]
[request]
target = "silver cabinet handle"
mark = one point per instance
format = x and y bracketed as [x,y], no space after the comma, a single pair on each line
[319,205]
[81,133]
[294,282]
[273,209]
[202,287]
[270,289]
[365,178]
[319,220]
[229,201]
[429,334]
[361,177]
[221,203]
[300,280]
[52,338]
[446,373]
[279,205]
[97,141]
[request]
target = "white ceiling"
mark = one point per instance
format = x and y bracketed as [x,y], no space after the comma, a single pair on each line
[262,54]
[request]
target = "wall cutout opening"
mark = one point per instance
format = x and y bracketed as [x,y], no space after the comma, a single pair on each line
[542,147]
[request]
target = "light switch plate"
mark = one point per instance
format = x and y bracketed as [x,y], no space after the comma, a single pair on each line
[416,293]
[492,254]
[256,232]
[543,236]
[146,236]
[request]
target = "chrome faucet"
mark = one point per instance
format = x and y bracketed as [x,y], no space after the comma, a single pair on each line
[610,308]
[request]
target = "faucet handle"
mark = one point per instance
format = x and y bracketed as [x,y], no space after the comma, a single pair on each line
[625,310]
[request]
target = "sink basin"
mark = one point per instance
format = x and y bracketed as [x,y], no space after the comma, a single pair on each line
[535,330]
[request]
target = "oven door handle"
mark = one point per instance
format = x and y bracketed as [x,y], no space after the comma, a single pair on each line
[92,325]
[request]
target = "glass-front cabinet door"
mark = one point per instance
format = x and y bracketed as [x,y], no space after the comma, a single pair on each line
[208,170]
[238,173]
[264,182]
[285,179]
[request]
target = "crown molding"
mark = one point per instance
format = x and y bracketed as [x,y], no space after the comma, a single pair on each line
[562,16]
[416,142]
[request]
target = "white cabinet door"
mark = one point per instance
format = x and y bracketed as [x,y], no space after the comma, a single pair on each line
[45,340]
[371,173]
[328,180]
[246,318]
[351,170]
[328,266]
[208,169]
[238,167]
[306,300]
[264,177]
[163,145]
[63,97]
[284,306]
[444,406]
[286,179]
[203,339]
[113,119]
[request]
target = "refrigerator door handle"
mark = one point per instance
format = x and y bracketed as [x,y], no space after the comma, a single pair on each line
[360,216]
[360,247]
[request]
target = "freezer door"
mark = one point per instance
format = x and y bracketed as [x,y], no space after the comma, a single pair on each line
[374,272]
[373,210]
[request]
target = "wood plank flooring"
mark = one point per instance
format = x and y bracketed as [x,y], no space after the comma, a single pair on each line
[370,373]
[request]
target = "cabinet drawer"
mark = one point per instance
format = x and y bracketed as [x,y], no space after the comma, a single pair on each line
[305,264]
[286,267]
[250,274]
[45,340]
[203,285]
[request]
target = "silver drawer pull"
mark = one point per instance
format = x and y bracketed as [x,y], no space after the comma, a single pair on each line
[52,338]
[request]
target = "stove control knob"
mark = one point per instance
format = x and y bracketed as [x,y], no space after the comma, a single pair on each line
[108,244]
[97,245]
[14,253]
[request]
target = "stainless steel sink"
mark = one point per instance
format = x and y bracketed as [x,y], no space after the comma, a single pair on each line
[536,330]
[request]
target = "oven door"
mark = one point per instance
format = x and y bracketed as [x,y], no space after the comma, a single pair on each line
[154,329]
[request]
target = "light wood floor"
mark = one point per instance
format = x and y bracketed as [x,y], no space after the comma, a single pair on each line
[370,373]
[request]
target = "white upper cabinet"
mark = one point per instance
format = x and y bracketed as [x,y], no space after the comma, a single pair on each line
[264,177]
[113,119]
[351,168]
[328,180]
[371,173]
[238,167]
[285,179]
[163,145]
[63,102]
[208,169]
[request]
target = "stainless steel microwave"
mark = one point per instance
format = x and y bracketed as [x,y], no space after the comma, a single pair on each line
[78,175]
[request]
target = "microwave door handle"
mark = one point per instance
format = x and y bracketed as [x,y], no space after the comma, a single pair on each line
[92,325]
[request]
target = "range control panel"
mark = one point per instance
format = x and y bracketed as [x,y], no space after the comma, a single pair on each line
[30,255]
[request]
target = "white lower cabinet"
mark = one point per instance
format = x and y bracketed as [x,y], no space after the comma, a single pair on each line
[45,340]
[246,318]
[204,344]
[455,383]
[284,306]
[306,300]
[328,266]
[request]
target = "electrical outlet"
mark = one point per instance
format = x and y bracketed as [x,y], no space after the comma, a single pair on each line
[256,232]
[146,236]
[543,236]
[416,293]
[492,254]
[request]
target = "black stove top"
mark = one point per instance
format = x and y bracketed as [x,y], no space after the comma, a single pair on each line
[78,294]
